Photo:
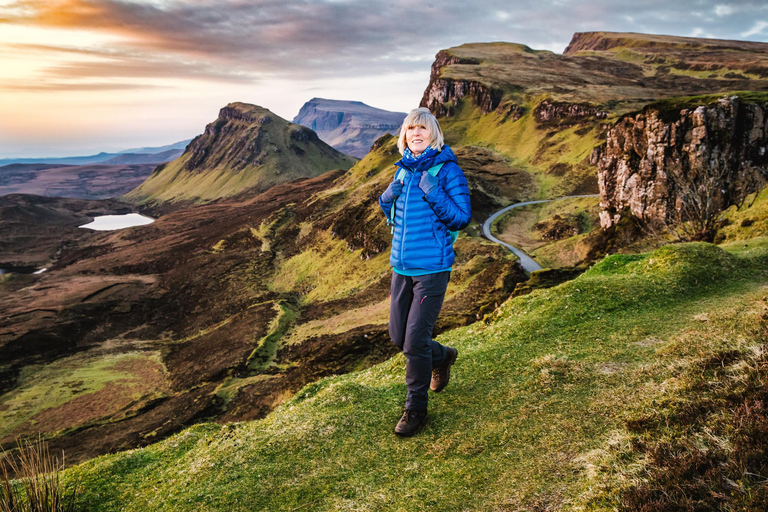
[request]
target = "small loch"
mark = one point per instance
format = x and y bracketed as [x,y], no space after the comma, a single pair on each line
[112,222]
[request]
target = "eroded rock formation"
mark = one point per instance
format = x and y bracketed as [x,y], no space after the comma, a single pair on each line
[657,162]
[443,92]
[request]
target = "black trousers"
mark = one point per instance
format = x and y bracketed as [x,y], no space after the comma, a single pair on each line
[415,303]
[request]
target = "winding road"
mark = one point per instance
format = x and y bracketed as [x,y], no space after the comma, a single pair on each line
[528,264]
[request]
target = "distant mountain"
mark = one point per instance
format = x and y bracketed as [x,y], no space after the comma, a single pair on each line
[349,126]
[159,149]
[146,158]
[246,148]
[162,154]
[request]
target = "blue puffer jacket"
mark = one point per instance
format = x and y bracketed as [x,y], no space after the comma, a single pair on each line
[422,238]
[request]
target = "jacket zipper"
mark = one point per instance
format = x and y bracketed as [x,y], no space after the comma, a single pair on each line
[405,209]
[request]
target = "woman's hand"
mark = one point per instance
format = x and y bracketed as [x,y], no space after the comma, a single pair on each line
[428,183]
[393,190]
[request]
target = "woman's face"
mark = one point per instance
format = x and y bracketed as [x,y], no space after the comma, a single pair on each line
[417,138]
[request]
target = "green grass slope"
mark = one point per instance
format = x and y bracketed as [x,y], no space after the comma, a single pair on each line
[538,416]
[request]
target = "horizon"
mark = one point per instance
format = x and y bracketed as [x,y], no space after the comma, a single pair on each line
[87,76]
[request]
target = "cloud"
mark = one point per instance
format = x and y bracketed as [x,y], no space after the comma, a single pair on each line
[115,63]
[52,86]
[757,28]
[291,36]
[257,41]
[240,40]
[723,10]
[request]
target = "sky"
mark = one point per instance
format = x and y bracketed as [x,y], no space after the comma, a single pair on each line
[82,76]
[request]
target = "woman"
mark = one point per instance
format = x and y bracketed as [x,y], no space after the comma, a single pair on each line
[431,198]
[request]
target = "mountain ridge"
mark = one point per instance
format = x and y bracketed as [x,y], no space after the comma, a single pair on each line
[246,147]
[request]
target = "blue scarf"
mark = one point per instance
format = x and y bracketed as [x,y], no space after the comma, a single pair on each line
[419,163]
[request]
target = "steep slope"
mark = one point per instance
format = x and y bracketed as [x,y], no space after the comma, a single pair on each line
[246,148]
[349,126]
[550,407]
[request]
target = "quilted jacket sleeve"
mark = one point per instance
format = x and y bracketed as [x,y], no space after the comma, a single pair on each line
[387,209]
[450,201]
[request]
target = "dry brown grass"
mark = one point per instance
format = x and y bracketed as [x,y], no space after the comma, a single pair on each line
[38,485]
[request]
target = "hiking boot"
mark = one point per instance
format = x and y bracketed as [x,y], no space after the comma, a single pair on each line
[442,373]
[411,423]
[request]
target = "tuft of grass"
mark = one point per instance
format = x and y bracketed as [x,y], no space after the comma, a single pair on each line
[39,486]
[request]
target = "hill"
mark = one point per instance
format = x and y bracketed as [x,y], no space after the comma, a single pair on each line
[615,390]
[548,116]
[133,156]
[35,229]
[214,312]
[349,126]
[246,148]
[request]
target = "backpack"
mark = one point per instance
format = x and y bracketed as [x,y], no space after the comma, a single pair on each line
[400,176]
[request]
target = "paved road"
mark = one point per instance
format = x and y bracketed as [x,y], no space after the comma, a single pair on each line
[528,264]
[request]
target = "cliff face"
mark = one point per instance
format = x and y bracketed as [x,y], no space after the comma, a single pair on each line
[655,161]
[246,148]
[349,126]
[443,93]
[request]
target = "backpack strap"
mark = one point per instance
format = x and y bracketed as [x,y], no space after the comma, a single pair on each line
[399,175]
[433,172]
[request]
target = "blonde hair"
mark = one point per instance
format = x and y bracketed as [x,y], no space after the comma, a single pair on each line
[421,117]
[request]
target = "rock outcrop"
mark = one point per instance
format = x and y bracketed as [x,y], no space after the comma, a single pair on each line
[660,162]
[348,126]
[443,93]
[548,112]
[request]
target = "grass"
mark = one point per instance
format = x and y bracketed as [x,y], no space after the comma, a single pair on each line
[537,400]
[264,353]
[328,270]
[533,148]
[39,487]
[53,397]
[746,222]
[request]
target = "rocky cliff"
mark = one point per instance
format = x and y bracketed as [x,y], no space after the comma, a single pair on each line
[659,163]
[349,126]
[246,148]
[547,112]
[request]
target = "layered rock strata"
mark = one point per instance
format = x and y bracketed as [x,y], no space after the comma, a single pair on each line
[348,126]
[654,162]
[443,92]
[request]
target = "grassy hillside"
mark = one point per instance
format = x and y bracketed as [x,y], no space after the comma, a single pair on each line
[215,312]
[552,405]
